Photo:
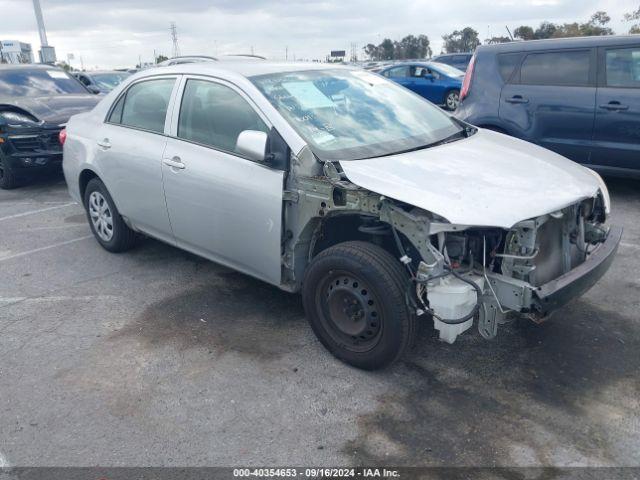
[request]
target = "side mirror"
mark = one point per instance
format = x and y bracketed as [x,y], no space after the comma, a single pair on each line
[429,76]
[93,89]
[252,144]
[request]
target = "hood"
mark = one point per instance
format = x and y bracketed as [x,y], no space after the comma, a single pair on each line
[489,180]
[55,109]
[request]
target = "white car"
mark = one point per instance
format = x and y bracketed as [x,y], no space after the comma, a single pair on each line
[379,207]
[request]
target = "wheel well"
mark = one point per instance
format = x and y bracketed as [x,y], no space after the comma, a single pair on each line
[85,178]
[343,228]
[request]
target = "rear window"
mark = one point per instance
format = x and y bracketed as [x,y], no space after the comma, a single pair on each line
[507,63]
[569,68]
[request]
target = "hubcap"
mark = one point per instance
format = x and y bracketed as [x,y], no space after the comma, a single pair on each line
[453,99]
[350,312]
[101,217]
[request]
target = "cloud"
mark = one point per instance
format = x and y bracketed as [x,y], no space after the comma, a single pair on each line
[119,32]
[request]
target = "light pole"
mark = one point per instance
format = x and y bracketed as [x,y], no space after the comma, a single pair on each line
[47,53]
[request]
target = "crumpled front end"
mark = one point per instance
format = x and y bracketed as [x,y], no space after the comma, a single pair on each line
[532,269]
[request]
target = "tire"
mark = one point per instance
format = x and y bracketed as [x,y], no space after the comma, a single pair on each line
[354,296]
[7,178]
[104,219]
[452,100]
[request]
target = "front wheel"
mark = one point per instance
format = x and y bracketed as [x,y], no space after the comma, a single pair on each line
[355,298]
[453,100]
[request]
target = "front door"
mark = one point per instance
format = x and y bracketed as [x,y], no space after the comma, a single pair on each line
[551,101]
[130,147]
[222,206]
[617,131]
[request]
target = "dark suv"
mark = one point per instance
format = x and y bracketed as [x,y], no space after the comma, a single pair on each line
[35,103]
[579,97]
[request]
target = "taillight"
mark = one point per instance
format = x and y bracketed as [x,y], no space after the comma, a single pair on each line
[466,83]
[62,136]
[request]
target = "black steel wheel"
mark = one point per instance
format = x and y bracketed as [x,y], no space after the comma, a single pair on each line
[354,295]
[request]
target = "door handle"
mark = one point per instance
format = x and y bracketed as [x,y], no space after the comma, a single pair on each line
[104,143]
[517,99]
[174,162]
[614,106]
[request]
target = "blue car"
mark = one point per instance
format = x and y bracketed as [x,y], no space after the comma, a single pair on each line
[437,82]
[579,97]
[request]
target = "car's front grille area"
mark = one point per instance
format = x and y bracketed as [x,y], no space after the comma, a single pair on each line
[44,142]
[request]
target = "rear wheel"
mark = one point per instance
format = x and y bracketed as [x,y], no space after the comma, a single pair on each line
[354,294]
[104,219]
[7,178]
[453,100]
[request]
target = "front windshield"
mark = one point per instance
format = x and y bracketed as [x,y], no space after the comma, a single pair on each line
[109,81]
[447,70]
[37,82]
[353,114]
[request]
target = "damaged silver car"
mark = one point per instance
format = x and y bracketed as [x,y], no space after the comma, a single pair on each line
[381,209]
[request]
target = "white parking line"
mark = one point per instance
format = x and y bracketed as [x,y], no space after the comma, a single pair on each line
[4,463]
[33,212]
[629,245]
[41,249]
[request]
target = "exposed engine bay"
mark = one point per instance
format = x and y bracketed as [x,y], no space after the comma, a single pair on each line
[458,274]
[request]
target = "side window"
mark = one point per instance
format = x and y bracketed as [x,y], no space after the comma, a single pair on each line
[116,113]
[144,105]
[507,63]
[570,68]
[398,72]
[623,67]
[215,115]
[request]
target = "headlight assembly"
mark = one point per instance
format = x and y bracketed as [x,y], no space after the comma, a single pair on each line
[606,199]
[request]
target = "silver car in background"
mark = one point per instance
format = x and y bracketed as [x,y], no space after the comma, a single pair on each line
[333,181]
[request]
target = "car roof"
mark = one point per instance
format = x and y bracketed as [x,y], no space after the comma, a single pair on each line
[452,54]
[241,68]
[28,66]
[571,42]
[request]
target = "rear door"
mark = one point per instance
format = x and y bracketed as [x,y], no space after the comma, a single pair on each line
[551,101]
[617,131]
[130,146]
[222,206]
[401,75]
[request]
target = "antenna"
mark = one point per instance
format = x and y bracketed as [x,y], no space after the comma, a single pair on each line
[509,32]
[174,39]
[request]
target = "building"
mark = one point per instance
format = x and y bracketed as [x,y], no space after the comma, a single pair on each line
[13,51]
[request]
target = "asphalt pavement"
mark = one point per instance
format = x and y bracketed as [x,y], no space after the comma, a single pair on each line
[156,357]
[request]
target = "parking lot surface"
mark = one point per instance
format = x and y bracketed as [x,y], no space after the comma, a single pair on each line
[157,357]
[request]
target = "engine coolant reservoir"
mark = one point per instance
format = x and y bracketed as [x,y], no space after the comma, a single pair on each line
[451,298]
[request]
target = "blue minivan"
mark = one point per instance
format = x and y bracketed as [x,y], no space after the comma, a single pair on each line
[579,97]
[437,82]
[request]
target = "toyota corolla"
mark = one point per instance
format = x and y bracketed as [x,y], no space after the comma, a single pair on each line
[380,208]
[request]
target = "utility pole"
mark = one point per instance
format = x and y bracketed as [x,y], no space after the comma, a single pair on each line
[286,53]
[47,53]
[174,39]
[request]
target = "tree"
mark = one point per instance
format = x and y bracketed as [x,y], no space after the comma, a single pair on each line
[524,33]
[161,58]
[460,41]
[65,66]
[410,46]
[631,17]
[493,40]
[597,25]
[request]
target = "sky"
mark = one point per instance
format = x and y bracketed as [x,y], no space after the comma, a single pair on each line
[117,33]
